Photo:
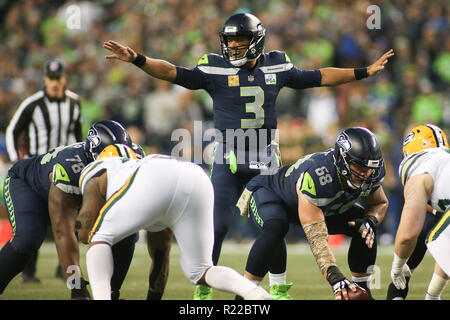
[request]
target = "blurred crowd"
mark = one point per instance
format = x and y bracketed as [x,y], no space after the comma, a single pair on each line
[314,33]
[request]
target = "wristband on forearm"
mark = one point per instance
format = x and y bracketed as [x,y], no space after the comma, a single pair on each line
[360,73]
[140,60]
[334,275]
[398,262]
[372,219]
[317,235]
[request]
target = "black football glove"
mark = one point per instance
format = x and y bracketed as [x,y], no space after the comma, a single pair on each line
[366,228]
[339,283]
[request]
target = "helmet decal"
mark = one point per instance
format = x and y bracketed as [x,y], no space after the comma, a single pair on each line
[102,134]
[344,141]
[93,138]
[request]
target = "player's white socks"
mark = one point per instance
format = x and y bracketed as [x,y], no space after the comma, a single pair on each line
[277,278]
[255,282]
[227,279]
[100,266]
[365,279]
[436,287]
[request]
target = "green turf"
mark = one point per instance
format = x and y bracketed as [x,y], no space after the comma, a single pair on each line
[302,271]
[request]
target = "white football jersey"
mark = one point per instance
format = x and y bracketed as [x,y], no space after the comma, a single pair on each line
[435,162]
[119,170]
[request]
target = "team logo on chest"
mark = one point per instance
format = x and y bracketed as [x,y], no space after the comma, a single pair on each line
[271,78]
[233,81]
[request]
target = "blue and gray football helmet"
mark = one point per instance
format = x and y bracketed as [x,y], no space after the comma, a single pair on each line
[358,145]
[243,24]
[102,134]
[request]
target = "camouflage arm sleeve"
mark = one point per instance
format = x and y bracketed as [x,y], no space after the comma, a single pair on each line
[317,235]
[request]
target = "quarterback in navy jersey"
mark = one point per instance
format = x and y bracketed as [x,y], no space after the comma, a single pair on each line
[43,190]
[337,191]
[243,83]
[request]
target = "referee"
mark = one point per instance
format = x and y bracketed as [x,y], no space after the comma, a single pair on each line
[45,120]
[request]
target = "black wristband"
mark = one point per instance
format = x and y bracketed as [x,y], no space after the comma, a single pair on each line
[360,73]
[373,219]
[334,275]
[140,60]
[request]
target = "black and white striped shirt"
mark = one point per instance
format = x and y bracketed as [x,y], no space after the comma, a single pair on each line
[48,123]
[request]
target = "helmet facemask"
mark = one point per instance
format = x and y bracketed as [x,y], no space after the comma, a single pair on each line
[343,164]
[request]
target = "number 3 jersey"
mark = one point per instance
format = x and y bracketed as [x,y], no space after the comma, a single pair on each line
[317,177]
[64,162]
[435,162]
[245,98]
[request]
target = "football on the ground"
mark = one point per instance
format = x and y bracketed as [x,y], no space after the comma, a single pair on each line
[359,294]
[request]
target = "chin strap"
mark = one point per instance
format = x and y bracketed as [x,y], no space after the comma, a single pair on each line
[240,62]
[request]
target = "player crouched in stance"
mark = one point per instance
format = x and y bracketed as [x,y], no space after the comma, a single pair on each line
[122,195]
[43,190]
[425,173]
[319,192]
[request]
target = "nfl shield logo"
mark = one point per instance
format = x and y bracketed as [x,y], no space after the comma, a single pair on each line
[251,78]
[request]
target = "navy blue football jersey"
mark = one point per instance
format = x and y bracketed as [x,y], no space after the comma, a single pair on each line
[64,162]
[318,179]
[242,98]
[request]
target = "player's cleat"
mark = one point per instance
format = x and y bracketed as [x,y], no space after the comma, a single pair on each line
[279,291]
[203,293]
[115,295]
[154,295]
[397,294]
[258,293]
[81,293]
[25,278]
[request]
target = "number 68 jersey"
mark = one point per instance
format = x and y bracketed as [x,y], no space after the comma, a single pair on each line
[317,177]
[64,162]
[435,162]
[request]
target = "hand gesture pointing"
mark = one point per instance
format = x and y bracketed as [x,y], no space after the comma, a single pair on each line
[120,52]
[378,65]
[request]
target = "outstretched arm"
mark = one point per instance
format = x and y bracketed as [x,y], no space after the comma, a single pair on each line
[336,76]
[157,68]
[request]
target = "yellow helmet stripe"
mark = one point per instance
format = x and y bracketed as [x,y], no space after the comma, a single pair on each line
[438,136]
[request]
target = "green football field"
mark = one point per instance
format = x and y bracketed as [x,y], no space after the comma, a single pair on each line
[302,271]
